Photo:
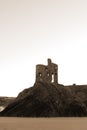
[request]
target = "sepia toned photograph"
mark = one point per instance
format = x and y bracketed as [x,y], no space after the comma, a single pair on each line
[43,67]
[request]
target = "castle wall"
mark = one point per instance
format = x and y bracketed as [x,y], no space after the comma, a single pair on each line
[43,74]
[47,73]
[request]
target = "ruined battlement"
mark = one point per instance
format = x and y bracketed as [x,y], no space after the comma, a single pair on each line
[47,73]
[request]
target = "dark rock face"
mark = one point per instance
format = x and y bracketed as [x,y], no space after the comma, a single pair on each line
[49,100]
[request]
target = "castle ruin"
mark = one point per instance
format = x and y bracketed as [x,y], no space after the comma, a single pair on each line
[47,73]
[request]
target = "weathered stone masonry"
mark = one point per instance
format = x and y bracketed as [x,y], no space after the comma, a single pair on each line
[47,73]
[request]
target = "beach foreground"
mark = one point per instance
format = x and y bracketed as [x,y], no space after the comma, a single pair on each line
[9,123]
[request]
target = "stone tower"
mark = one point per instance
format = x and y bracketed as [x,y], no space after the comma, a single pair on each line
[47,73]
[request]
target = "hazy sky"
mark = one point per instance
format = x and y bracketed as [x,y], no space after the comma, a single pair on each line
[32,31]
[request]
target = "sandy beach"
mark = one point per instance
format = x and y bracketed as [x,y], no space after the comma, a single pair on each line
[8,123]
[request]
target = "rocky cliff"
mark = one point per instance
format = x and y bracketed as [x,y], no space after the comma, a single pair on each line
[49,100]
[4,101]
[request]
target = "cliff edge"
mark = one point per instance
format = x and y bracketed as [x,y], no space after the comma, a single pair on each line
[49,100]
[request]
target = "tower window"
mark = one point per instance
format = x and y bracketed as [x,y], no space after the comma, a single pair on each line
[52,78]
[40,74]
[46,69]
[48,74]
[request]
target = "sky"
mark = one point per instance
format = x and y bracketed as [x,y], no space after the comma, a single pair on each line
[31,31]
